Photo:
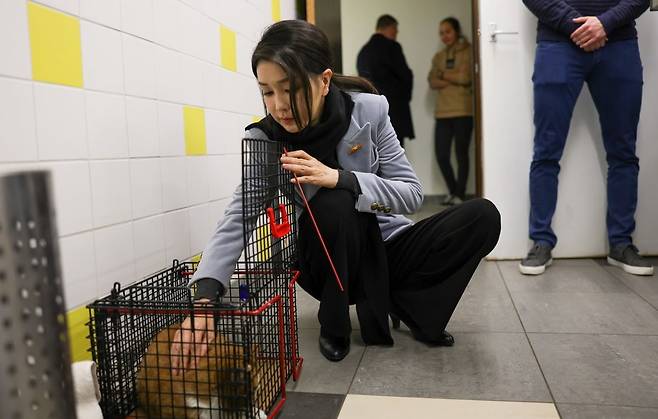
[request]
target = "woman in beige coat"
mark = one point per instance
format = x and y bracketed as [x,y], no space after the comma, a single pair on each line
[451,76]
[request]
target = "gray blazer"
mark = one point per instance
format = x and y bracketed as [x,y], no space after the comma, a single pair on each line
[370,149]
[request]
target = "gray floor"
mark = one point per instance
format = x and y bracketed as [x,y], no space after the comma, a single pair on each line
[583,336]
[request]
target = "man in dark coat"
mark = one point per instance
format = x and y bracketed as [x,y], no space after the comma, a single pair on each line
[382,62]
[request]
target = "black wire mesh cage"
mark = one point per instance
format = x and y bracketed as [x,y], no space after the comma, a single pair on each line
[252,349]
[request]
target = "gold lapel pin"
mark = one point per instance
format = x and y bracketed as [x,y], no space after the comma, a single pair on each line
[355,148]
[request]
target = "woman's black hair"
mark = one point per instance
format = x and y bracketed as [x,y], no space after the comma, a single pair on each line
[302,50]
[456,26]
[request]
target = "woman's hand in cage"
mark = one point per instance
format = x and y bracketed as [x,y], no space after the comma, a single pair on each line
[191,340]
[308,169]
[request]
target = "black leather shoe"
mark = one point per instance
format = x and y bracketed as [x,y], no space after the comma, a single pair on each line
[334,349]
[446,339]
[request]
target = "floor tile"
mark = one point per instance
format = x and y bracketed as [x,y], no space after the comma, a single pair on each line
[578,296]
[322,376]
[485,305]
[311,405]
[645,286]
[616,313]
[564,275]
[483,366]
[380,407]
[576,411]
[605,369]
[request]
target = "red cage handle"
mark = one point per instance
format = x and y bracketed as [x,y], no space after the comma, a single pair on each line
[279,230]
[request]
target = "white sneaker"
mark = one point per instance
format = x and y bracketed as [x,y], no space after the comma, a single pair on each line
[457,201]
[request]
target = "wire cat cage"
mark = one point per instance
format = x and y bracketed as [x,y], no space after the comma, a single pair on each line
[252,349]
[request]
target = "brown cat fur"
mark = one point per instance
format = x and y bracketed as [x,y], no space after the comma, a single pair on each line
[219,379]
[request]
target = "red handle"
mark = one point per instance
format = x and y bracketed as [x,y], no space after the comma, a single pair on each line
[279,230]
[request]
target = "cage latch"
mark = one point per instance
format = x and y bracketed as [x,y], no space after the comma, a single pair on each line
[281,229]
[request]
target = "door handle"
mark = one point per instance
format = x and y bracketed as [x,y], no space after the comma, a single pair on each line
[494,32]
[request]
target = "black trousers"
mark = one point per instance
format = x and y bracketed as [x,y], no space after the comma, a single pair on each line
[428,265]
[460,129]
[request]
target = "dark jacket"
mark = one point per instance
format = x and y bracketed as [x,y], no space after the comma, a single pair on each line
[382,62]
[556,17]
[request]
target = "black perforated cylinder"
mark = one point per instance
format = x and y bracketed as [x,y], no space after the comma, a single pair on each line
[35,371]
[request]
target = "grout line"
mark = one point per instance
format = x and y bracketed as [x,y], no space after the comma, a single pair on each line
[610,273]
[532,349]
[152,98]
[356,371]
[610,405]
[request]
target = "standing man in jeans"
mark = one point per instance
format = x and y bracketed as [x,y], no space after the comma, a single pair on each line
[591,41]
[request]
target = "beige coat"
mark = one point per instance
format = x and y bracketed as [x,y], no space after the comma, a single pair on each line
[457,98]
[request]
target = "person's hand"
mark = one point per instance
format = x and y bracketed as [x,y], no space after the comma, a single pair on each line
[309,170]
[591,35]
[189,344]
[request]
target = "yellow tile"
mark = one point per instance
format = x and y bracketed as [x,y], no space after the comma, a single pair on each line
[78,331]
[276,10]
[381,407]
[195,131]
[228,49]
[55,45]
[263,242]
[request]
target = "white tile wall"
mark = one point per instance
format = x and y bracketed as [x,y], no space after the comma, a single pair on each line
[137,17]
[174,183]
[202,225]
[170,129]
[115,256]
[72,190]
[198,179]
[18,140]
[223,182]
[110,190]
[224,131]
[215,82]
[14,40]
[177,234]
[142,122]
[102,58]
[127,198]
[78,261]
[189,40]
[209,47]
[146,178]
[60,117]
[168,75]
[106,125]
[191,77]
[105,12]
[69,6]
[245,47]
[150,254]
[166,19]
[139,66]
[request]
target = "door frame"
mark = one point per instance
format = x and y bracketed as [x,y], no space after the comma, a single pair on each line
[477,96]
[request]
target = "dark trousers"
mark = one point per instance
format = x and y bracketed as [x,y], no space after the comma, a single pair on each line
[445,130]
[429,264]
[614,77]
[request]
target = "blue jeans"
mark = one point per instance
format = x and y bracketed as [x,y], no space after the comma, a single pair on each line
[614,77]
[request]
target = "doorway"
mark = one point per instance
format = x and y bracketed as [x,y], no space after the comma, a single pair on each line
[349,25]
